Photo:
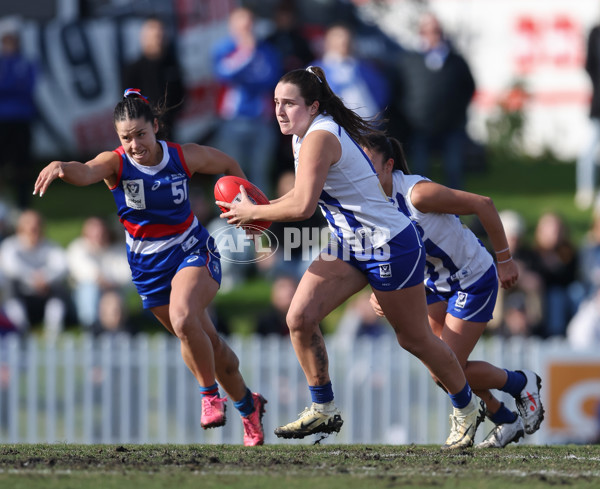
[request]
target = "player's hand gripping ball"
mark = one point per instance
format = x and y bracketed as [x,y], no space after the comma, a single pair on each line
[227,189]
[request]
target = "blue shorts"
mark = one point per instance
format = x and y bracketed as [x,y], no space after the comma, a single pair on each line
[155,287]
[399,264]
[474,303]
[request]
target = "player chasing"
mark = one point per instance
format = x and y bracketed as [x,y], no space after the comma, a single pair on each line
[461,282]
[174,263]
[333,172]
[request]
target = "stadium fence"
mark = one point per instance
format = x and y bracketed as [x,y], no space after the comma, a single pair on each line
[136,389]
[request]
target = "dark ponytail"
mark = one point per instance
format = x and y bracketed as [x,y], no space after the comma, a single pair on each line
[389,148]
[135,106]
[313,87]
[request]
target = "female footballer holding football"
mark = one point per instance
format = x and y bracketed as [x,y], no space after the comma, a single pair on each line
[174,263]
[372,243]
[461,282]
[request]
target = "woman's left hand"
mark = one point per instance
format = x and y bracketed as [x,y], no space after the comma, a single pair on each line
[508,273]
[239,212]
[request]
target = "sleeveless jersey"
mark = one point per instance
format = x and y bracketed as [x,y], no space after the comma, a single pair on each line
[357,210]
[455,256]
[153,206]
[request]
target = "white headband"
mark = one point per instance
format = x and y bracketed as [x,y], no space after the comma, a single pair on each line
[310,70]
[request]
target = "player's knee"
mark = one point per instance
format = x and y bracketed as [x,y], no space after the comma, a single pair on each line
[299,321]
[411,346]
[182,322]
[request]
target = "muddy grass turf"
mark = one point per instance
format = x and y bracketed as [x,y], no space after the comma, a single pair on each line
[294,466]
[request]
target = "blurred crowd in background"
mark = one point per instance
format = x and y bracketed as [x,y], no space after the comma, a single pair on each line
[422,99]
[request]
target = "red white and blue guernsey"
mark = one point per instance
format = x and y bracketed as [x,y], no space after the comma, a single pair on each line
[162,233]
[366,228]
[458,267]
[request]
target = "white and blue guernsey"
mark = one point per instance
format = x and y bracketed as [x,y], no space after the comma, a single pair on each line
[362,219]
[458,267]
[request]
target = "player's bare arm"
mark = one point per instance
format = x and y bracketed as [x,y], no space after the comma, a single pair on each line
[210,161]
[432,197]
[319,151]
[103,167]
[288,195]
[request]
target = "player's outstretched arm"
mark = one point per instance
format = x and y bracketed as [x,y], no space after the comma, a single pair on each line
[102,167]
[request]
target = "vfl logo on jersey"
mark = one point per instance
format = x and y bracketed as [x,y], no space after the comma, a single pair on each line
[461,301]
[385,270]
[134,194]
[216,268]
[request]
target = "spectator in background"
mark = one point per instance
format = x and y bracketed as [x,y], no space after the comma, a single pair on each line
[6,219]
[296,52]
[96,264]
[557,264]
[248,69]
[519,310]
[112,314]
[360,84]
[589,252]
[272,321]
[435,89]
[293,47]
[583,330]
[18,111]
[157,72]
[36,269]
[586,163]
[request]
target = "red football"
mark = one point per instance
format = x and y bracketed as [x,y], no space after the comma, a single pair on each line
[227,189]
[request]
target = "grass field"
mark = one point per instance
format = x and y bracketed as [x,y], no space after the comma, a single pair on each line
[298,466]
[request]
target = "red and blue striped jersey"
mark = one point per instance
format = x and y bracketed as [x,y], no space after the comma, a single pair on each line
[153,205]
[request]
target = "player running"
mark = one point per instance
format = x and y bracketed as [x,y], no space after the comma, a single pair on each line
[372,243]
[174,262]
[461,283]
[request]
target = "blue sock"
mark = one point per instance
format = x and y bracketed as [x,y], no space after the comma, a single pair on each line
[515,382]
[503,415]
[211,390]
[321,393]
[461,398]
[246,405]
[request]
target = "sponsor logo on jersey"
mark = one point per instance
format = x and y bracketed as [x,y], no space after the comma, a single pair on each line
[192,259]
[156,185]
[385,270]
[462,273]
[461,301]
[189,243]
[134,194]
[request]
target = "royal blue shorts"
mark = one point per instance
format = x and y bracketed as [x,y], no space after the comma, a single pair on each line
[474,303]
[155,287]
[399,264]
